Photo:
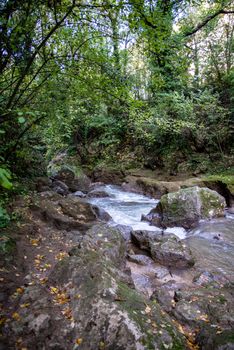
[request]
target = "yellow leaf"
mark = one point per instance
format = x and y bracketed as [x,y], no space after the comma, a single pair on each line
[37,261]
[46,266]
[24,305]
[79,341]
[40,257]
[34,241]
[16,316]
[20,290]
[61,256]
[43,280]
[54,290]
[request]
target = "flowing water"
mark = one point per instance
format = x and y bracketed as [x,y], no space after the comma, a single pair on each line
[126,208]
[212,242]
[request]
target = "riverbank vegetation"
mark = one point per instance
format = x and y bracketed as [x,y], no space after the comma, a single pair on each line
[139,83]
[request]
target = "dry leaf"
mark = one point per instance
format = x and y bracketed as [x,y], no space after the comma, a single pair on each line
[20,290]
[79,341]
[34,241]
[16,316]
[147,309]
[25,305]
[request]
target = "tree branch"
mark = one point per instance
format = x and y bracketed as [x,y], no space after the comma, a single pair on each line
[32,58]
[207,20]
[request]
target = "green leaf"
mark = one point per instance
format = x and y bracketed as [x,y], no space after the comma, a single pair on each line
[21,120]
[5,176]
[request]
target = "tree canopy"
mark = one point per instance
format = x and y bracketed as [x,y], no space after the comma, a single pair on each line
[104,78]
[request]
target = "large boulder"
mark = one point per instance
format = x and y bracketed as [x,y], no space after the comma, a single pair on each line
[103,311]
[75,182]
[69,213]
[108,175]
[186,207]
[166,249]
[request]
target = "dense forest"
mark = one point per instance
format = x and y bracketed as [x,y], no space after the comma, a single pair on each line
[111,91]
[142,82]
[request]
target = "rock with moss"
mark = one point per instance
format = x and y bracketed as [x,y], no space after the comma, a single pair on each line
[103,309]
[209,310]
[165,249]
[69,213]
[108,174]
[223,184]
[186,207]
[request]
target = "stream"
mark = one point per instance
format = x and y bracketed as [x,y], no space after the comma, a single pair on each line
[211,243]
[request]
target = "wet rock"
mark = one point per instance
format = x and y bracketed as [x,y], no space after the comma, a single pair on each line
[169,251]
[204,278]
[209,310]
[140,259]
[97,194]
[39,324]
[80,183]
[153,217]
[60,187]
[107,302]
[73,181]
[215,339]
[125,231]
[151,186]
[43,184]
[95,185]
[79,194]
[231,210]
[186,207]
[166,249]
[101,213]
[143,238]
[108,175]
[65,213]
[65,174]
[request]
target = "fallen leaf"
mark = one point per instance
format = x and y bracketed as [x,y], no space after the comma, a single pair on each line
[16,316]
[79,341]
[24,305]
[54,290]
[34,241]
[147,309]
[40,257]
[20,290]
[43,280]
[61,256]
[68,313]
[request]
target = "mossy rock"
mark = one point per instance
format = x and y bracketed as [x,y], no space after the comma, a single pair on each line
[223,184]
[187,206]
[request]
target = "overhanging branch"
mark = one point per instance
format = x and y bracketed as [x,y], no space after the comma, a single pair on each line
[207,20]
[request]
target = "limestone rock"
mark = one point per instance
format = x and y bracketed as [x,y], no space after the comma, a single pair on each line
[186,207]
[169,251]
[97,194]
[68,213]
[166,249]
[140,259]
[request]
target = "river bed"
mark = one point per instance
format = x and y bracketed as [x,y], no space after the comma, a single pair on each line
[211,243]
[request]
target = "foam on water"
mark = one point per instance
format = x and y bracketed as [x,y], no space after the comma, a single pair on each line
[126,208]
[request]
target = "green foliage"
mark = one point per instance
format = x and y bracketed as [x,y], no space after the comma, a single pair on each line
[113,76]
[7,246]
[5,177]
[4,218]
